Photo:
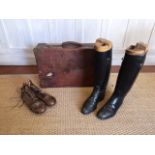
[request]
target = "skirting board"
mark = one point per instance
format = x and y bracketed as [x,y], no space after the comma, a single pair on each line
[33,69]
[22,57]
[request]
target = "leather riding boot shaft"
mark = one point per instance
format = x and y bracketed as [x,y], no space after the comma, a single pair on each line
[103,56]
[132,63]
[102,68]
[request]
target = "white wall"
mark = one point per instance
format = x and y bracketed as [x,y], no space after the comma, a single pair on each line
[19,37]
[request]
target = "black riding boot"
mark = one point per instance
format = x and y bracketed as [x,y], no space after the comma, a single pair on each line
[103,55]
[132,63]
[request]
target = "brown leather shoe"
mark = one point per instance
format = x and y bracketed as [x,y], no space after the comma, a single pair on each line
[33,103]
[46,98]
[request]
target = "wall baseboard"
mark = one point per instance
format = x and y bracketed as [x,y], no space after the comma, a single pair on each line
[33,69]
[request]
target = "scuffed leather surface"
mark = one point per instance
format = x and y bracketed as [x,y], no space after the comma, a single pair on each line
[67,65]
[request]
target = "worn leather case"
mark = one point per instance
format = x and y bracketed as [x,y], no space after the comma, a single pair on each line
[69,64]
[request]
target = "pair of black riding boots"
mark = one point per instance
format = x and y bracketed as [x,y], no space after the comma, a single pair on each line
[131,65]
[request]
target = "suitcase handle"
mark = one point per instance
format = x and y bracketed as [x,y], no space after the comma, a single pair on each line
[71,44]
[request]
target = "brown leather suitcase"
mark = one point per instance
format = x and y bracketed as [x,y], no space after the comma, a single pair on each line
[69,64]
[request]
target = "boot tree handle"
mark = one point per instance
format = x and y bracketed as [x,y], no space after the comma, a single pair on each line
[71,44]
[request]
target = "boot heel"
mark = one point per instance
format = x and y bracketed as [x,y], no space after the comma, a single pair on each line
[101,98]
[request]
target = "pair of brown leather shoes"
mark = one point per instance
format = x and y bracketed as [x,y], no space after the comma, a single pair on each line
[36,100]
